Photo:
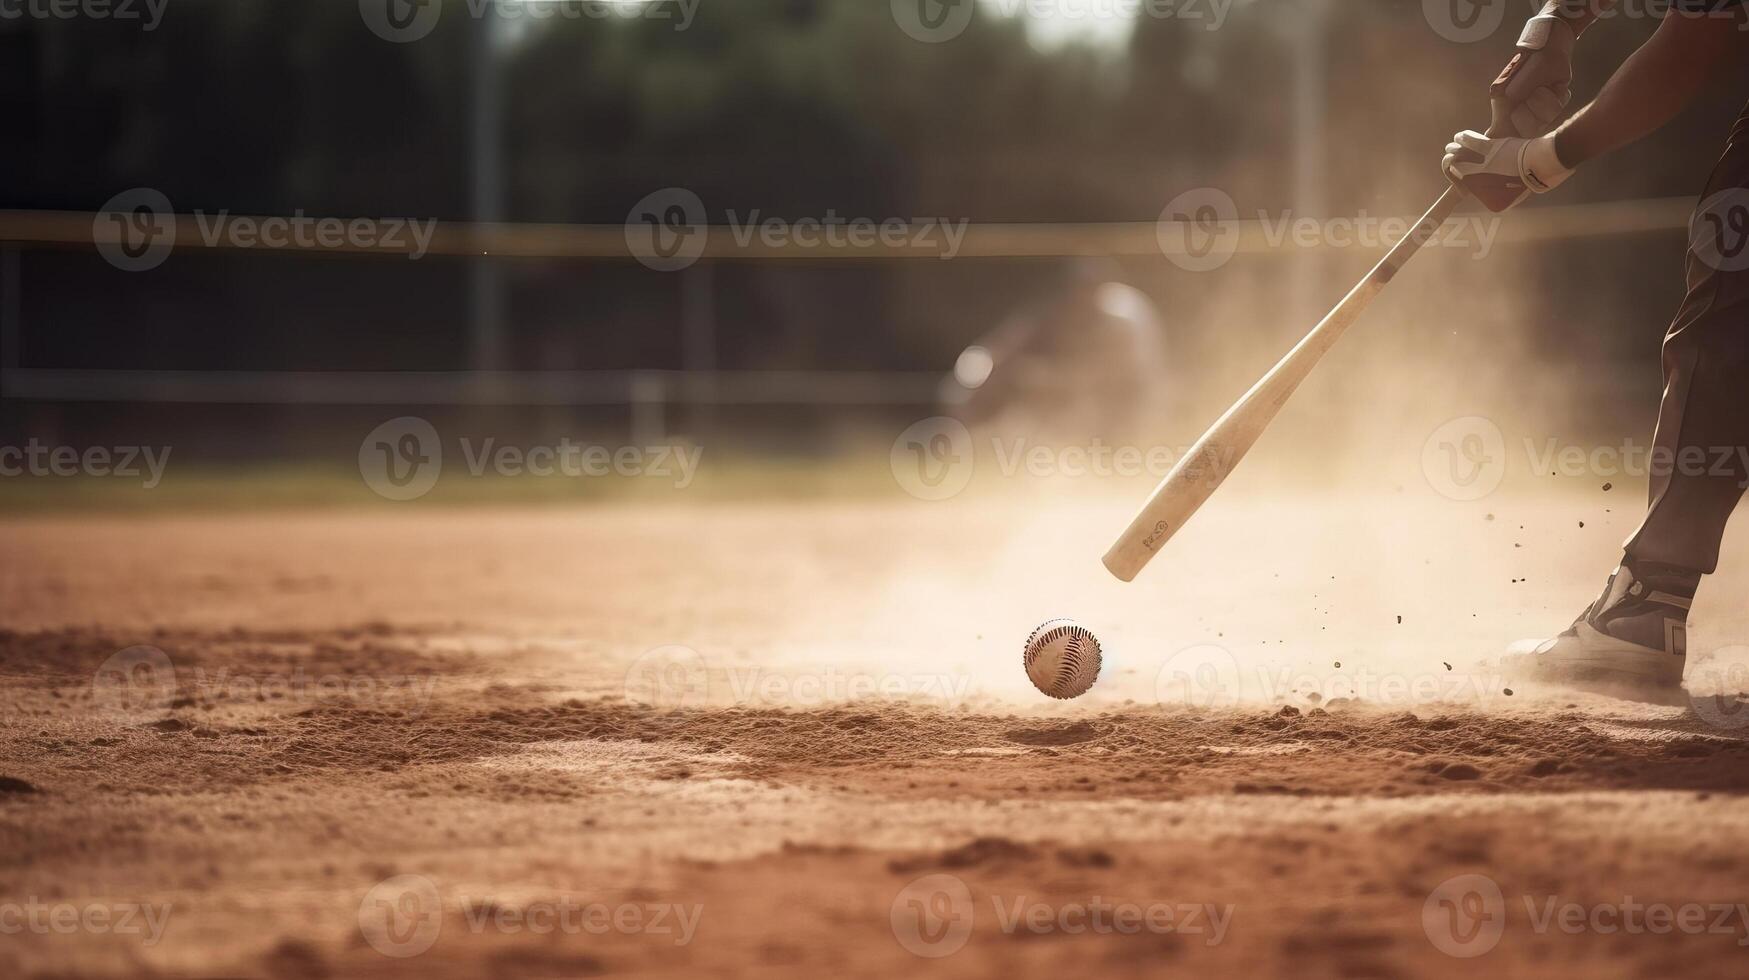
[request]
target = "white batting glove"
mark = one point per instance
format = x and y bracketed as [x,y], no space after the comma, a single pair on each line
[1503,172]
[1538,83]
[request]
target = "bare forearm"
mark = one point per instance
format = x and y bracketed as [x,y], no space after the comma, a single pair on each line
[1650,88]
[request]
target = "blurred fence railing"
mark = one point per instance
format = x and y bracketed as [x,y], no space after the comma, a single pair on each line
[647,392]
[997,240]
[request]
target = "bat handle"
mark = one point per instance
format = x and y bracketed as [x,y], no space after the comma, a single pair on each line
[1499,125]
[1501,122]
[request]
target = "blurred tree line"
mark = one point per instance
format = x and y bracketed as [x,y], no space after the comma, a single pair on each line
[791,107]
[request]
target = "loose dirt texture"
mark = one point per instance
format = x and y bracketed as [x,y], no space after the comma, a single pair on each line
[389,744]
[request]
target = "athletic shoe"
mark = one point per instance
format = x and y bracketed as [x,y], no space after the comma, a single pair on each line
[1632,642]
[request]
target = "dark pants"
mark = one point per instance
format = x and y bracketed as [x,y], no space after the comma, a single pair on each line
[1705,412]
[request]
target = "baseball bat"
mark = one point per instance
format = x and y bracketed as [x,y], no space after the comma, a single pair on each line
[1205,467]
[1202,470]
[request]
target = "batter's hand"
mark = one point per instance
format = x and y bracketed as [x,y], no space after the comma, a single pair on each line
[1502,172]
[1534,89]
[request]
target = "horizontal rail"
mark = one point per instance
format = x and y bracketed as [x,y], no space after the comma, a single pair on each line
[474,387]
[917,241]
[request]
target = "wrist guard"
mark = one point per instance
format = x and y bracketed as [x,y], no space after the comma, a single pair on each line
[1541,165]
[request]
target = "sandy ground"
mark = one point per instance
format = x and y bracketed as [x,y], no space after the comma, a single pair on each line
[795,739]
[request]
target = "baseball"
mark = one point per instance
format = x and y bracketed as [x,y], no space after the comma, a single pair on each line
[1062,659]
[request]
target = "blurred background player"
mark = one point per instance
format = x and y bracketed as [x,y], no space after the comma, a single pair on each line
[1086,363]
[1633,639]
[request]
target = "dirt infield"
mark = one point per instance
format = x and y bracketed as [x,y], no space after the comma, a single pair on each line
[650,740]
